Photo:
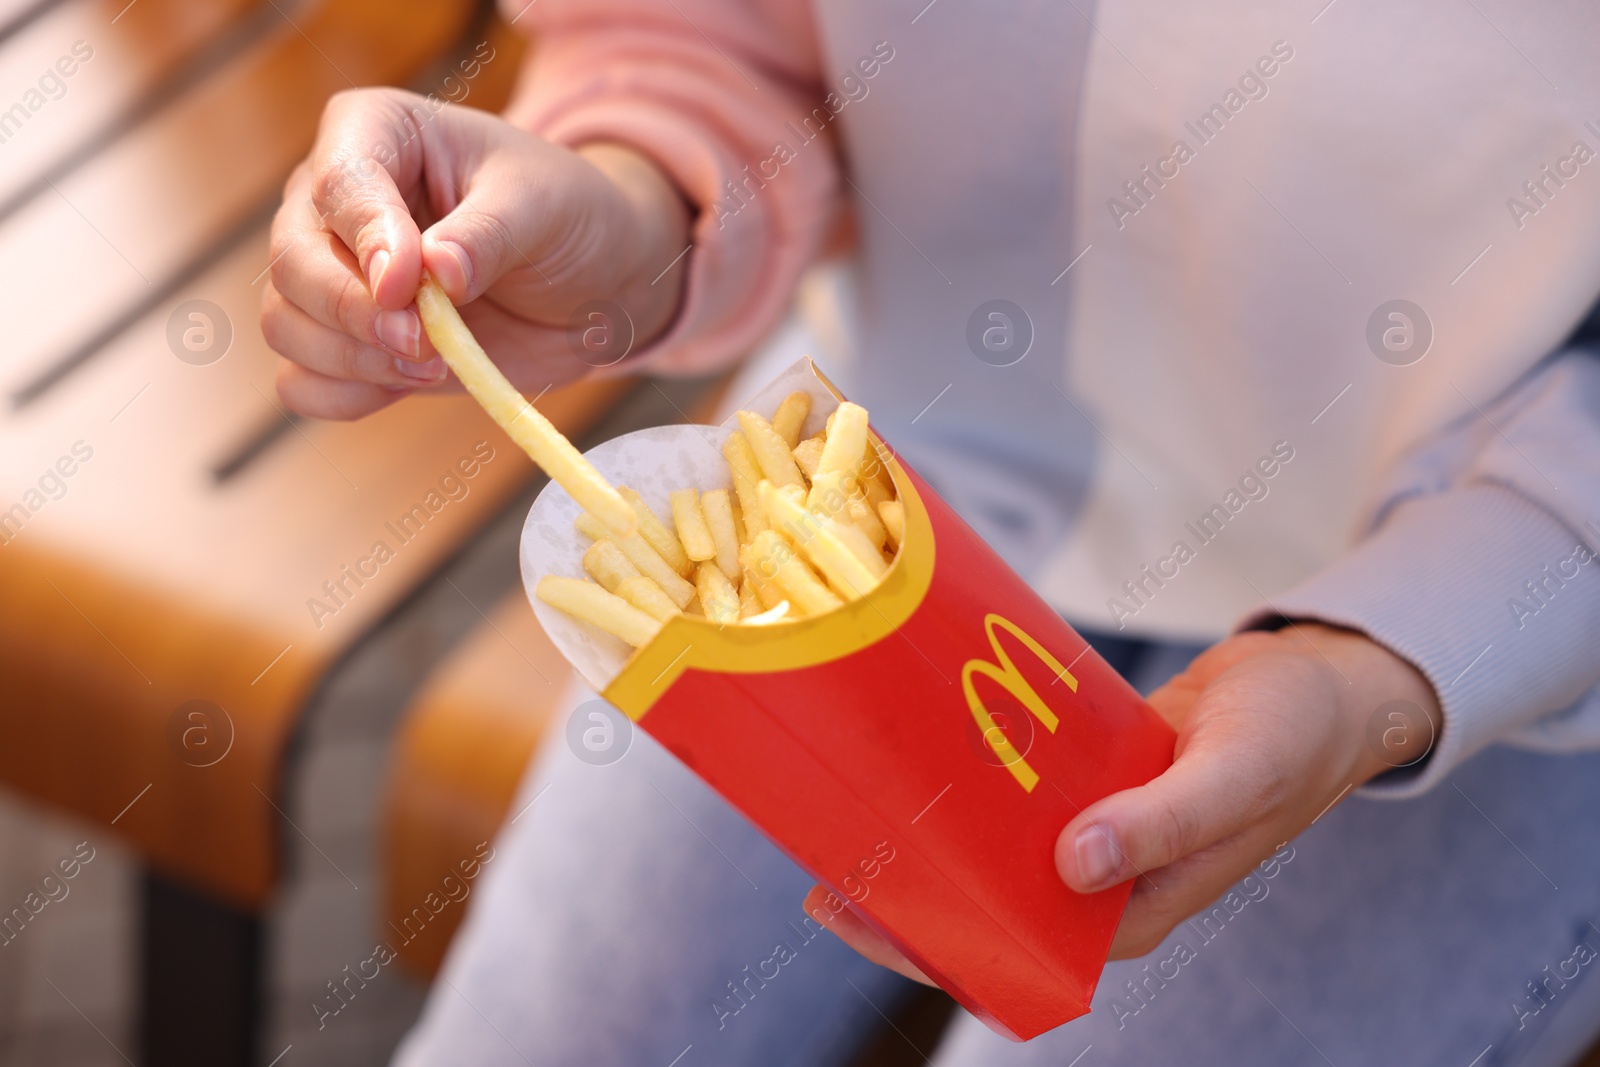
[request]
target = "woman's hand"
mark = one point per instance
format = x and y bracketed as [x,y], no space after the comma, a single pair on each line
[520,232]
[1272,732]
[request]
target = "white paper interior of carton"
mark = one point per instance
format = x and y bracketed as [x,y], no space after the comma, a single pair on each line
[652,462]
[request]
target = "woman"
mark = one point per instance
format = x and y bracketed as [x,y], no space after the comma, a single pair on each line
[1226,324]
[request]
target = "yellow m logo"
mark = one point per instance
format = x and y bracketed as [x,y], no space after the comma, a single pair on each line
[1005,673]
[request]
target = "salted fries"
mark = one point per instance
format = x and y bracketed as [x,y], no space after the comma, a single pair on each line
[809,525]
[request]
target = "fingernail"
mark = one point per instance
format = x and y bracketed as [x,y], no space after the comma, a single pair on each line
[376,266]
[399,331]
[1097,855]
[431,371]
[463,263]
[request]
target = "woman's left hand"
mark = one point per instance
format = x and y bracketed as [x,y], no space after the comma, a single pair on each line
[1273,730]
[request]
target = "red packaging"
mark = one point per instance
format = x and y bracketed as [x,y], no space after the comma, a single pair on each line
[917,751]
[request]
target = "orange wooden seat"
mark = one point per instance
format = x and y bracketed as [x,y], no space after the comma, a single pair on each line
[457,760]
[464,744]
[167,534]
[151,582]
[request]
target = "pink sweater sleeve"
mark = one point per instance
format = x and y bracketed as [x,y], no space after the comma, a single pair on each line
[707,88]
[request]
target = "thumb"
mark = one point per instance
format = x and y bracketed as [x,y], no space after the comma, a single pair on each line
[1213,791]
[498,226]
[523,207]
[366,158]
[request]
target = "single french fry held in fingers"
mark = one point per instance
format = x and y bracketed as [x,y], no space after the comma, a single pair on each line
[690,521]
[657,533]
[521,421]
[642,556]
[791,416]
[592,604]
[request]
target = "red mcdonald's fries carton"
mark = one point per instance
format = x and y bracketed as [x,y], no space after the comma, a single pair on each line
[949,721]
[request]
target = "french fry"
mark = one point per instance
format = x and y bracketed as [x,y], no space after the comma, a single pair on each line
[749,603]
[874,475]
[793,493]
[766,590]
[865,519]
[642,556]
[777,613]
[647,596]
[893,514]
[772,555]
[717,513]
[830,493]
[739,531]
[693,530]
[657,533]
[807,454]
[746,476]
[874,492]
[592,604]
[805,529]
[841,552]
[771,451]
[831,497]
[521,421]
[606,564]
[845,444]
[790,416]
[717,594]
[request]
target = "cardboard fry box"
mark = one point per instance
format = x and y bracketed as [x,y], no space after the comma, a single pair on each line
[950,720]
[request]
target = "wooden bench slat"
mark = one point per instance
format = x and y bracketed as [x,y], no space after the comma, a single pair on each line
[127,60]
[457,761]
[167,587]
[117,229]
[148,583]
[15,15]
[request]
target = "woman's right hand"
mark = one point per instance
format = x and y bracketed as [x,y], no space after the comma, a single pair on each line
[520,232]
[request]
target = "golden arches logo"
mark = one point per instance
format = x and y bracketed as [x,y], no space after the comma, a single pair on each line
[1005,674]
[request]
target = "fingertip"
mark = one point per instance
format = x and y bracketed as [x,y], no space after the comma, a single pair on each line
[1090,857]
[818,905]
[377,267]
[317,396]
[450,265]
[394,270]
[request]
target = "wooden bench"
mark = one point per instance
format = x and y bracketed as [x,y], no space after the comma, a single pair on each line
[164,525]
[458,757]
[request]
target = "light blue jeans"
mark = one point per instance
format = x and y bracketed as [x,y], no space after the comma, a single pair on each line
[1459,929]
